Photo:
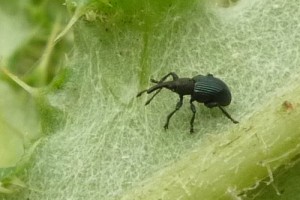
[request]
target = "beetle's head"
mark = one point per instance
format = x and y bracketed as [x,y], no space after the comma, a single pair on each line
[182,86]
[171,85]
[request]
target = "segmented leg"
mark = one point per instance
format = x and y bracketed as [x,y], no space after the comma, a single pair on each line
[178,105]
[193,108]
[227,115]
[174,76]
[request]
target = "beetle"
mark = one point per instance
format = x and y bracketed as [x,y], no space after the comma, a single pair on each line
[209,90]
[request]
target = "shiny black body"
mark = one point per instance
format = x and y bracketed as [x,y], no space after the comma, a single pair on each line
[210,91]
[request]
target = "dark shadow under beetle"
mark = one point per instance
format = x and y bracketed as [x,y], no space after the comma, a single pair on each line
[209,90]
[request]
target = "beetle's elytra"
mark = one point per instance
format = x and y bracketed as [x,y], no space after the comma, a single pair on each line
[209,90]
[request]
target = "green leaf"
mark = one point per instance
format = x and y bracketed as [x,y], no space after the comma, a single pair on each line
[19,125]
[112,147]
[15,30]
[19,128]
[11,146]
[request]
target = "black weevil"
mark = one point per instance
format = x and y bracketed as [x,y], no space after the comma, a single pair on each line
[209,90]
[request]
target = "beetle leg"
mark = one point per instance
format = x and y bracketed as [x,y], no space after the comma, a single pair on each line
[178,105]
[153,81]
[140,93]
[149,100]
[158,91]
[193,108]
[174,76]
[227,115]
